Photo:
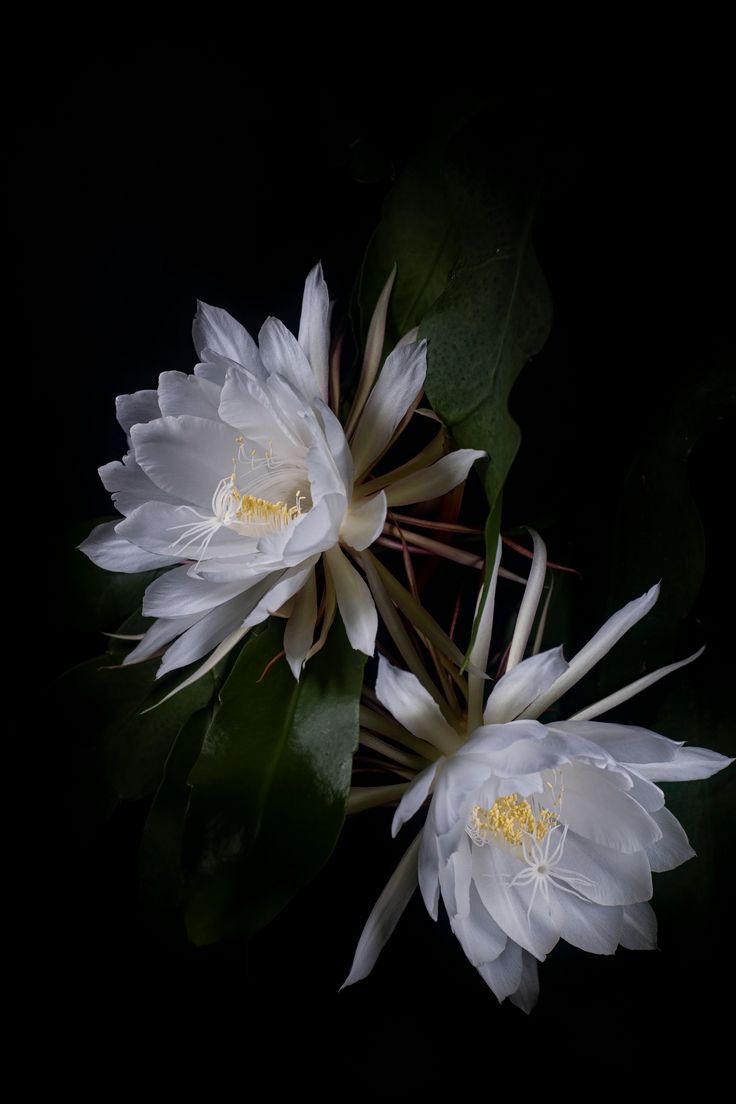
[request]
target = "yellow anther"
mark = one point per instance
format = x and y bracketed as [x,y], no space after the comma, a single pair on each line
[511,817]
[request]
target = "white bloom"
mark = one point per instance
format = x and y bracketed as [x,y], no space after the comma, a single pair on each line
[242,475]
[535,832]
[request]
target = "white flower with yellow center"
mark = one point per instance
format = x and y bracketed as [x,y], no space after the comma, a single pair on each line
[242,475]
[535,831]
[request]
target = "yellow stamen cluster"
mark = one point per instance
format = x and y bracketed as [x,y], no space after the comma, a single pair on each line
[511,816]
[262,511]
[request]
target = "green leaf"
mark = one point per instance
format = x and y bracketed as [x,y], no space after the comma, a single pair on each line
[659,534]
[496,311]
[270,784]
[160,856]
[119,748]
[417,234]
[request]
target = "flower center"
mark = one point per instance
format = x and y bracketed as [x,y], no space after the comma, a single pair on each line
[510,817]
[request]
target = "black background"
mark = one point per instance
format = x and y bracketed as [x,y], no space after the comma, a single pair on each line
[147,178]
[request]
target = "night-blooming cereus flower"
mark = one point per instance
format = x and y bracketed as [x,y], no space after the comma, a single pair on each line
[242,475]
[535,831]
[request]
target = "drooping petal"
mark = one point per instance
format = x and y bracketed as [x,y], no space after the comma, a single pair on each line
[299,632]
[210,630]
[385,915]
[503,975]
[688,763]
[109,550]
[282,355]
[214,330]
[129,485]
[478,933]
[186,456]
[529,604]
[177,594]
[527,995]
[314,327]
[354,600]
[415,796]
[137,408]
[515,690]
[179,393]
[364,522]
[407,700]
[161,633]
[674,846]
[593,928]
[429,870]
[623,695]
[639,929]
[436,480]
[594,650]
[398,386]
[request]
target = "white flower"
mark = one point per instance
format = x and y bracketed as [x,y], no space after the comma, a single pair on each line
[243,476]
[535,832]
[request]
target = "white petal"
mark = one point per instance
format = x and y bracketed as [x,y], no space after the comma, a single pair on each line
[625,743]
[478,933]
[161,633]
[407,700]
[527,995]
[595,649]
[673,848]
[314,327]
[337,443]
[217,331]
[209,631]
[179,393]
[490,739]
[106,549]
[249,405]
[606,704]
[177,594]
[515,690]
[536,930]
[595,808]
[129,485]
[593,928]
[385,915]
[613,878]
[364,522]
[504,974]
[283,356]
[689,763]
[281,587]
[436,480]
[354,600]
[139,407]
[314,532]
[639,931]
[456,879]
[529,604]
[415,796]
[299,632]
[478,657]
[428,870]
[157,526]
[397,387]
[186,456]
